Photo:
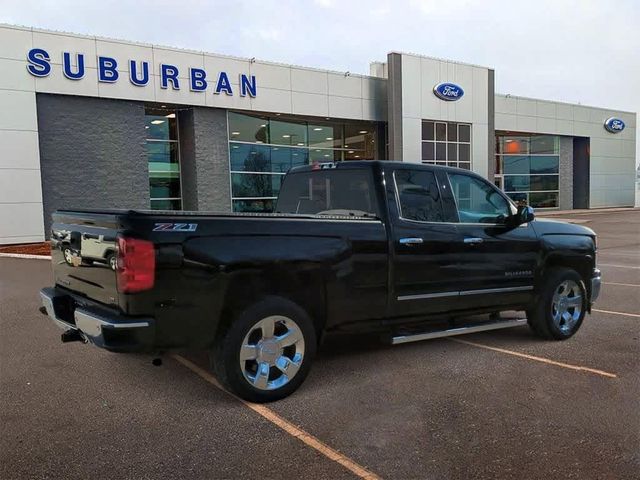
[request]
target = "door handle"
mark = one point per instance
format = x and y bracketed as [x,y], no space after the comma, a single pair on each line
[411,241]
[473,240]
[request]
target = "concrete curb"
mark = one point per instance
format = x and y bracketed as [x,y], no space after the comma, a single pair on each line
[25,255]
[590,211]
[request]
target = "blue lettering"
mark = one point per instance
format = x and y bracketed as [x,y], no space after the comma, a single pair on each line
[133,73]
[247,85]
[66,66]
[223,84]
[39,65]
[169,72]
[198,82]
[107,69]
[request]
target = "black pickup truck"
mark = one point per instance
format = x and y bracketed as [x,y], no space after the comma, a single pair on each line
[410,251]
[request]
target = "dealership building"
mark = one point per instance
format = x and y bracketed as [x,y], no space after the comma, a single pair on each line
[95,122]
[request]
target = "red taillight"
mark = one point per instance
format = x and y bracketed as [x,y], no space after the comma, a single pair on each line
[136,265]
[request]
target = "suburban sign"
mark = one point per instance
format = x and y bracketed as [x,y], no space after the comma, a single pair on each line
[73,68]
[448,91]
[614,125]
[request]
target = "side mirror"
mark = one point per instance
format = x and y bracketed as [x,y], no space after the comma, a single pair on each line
[525,214]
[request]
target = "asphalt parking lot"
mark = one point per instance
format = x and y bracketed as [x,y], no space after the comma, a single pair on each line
[499,404]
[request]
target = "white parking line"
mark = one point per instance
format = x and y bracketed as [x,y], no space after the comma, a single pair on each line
[621,284]
[616,313]
[536,359]
[616,266]
[287,426]
[25,255]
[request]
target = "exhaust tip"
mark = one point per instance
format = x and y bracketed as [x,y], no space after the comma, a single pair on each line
[71,336]
[156,362]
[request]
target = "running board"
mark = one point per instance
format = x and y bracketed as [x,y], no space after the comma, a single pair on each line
[458,331]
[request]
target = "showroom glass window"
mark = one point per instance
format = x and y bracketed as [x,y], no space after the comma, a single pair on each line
[527,168]
[164,160]
[446,143]
[263,148]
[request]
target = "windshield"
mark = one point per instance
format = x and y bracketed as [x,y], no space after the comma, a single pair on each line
[328,192]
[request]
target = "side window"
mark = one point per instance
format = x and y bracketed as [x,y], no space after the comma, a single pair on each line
[419,196]
[477,200]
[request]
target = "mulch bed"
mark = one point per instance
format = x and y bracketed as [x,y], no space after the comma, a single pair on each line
[43,248]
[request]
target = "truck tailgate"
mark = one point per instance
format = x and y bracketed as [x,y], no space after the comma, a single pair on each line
[84,254]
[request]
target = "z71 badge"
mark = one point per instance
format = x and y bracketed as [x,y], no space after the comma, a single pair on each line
[175,227]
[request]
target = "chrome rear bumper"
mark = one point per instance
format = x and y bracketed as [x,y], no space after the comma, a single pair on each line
[107,331]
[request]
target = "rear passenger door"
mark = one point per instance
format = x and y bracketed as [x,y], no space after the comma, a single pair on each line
[424,276]
[496,261]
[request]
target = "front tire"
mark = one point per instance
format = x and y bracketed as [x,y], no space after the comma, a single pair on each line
[561,307]
[266,351]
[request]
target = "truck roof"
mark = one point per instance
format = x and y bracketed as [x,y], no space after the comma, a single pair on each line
[351,164]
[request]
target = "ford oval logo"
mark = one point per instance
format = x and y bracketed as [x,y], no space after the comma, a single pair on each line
[614,125]
[448,91]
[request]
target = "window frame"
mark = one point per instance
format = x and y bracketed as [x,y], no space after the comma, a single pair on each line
[399,204]
[512,208]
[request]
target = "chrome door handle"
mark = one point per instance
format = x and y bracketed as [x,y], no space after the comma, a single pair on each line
[411,241]
[473,240]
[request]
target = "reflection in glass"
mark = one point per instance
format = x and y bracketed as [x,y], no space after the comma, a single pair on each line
[428,151]
[288,133]
[256,206]
[163,159]
[464,133]
[428,131]
[247,128]
[255,185]
[545,164]
[327,135]
[165,204]
[543,199]
[464,152]
[160,125]
[320,155]
[546,144]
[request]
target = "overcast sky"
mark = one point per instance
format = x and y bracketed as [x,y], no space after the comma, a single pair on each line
[585,51]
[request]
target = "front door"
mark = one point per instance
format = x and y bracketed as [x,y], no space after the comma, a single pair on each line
[496,262]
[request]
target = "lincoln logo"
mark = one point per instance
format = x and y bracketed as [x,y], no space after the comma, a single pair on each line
[614,125]
[448,91]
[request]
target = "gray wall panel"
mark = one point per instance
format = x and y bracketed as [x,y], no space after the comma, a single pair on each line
[491,169]
[211,159]
[566,173]
[394,108]
[92,153]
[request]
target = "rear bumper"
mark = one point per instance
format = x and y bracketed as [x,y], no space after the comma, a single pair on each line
[596,284]
[97,324]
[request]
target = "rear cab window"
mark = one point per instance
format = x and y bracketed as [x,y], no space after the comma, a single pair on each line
[418,195]
[329,192]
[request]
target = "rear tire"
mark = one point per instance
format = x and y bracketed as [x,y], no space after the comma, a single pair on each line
[265,353]
[561,306]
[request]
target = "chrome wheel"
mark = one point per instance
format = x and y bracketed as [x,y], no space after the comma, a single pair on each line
[272,352]
[112,262]
[68,256]
[566,305]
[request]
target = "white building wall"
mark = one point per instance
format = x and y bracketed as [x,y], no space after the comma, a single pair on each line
[419,76]
[612,155]
[20,185]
